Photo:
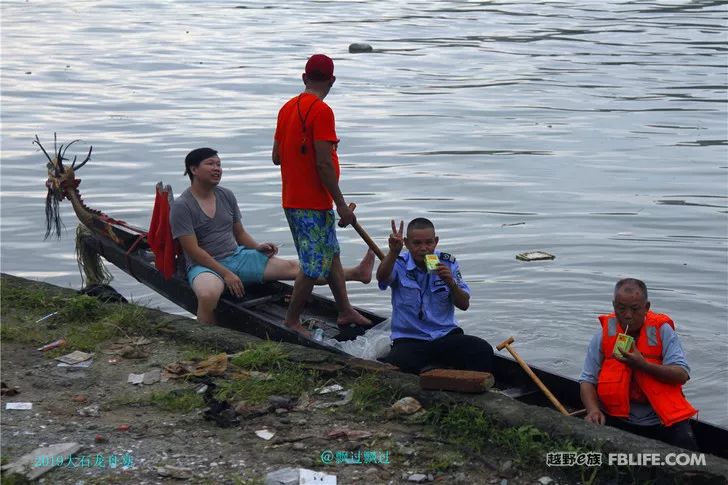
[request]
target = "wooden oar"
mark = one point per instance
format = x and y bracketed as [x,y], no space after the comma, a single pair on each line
[372,245]
[370,242]
[506,344]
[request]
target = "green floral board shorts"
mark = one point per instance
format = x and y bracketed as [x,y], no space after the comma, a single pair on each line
[315,237]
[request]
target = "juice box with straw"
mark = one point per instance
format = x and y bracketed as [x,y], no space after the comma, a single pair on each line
[623,344]
[431,261]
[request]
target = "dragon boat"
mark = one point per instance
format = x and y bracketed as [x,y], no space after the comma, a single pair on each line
[260,312]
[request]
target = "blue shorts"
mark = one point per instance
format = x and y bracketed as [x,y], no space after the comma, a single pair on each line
[248,264]
[315,237]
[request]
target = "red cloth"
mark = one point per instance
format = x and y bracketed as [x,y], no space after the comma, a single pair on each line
[160,240]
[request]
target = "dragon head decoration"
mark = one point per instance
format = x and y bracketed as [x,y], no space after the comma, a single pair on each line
[60,183]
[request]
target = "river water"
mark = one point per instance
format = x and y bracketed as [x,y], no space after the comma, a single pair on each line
[596,131]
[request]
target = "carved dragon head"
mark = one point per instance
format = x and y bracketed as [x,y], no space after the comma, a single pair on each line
[61,180]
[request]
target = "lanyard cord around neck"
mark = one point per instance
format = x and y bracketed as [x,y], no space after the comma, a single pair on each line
[303,120]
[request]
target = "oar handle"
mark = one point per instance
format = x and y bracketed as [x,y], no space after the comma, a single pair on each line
[372,245]
[534,377]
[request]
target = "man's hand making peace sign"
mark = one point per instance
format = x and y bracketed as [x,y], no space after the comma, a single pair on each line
[396,239]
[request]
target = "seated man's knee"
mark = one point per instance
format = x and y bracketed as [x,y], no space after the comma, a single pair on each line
[406,361]
[486,348]
[480,354]
[208,288]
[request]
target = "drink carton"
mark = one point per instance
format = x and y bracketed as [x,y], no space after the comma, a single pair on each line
[431,261]
[623,344]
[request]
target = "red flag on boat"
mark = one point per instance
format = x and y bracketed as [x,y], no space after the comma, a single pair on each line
[160,240]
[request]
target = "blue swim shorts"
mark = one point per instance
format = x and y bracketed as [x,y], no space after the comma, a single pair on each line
[315,237]
[248,264]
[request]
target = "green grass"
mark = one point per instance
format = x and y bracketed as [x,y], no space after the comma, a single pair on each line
[178,400]
[129,319]
[288,378]
[465,425]
[29,298]
[194,353]
[468,427]
[23,334]
[262,356]
[80,309]
[84,321]
[370,395]
[291,381]
[88,338]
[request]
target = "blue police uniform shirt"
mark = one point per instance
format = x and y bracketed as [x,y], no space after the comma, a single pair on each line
[421,305]
[672,354]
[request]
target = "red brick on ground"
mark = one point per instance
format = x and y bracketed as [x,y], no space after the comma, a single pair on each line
[456,380]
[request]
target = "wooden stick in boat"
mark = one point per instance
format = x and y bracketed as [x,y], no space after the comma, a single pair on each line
[372,245]
[506,344]
[370,242]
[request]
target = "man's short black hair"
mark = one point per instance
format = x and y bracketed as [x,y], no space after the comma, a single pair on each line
[420,223]
[195,157]
[631,283]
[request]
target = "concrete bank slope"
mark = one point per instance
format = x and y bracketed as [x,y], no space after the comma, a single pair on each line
[502,410]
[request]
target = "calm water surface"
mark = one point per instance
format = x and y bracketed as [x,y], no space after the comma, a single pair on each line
[596,131]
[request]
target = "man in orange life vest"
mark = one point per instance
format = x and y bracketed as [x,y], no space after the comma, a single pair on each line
[639,390]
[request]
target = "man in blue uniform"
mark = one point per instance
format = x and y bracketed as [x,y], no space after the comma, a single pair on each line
[424,329]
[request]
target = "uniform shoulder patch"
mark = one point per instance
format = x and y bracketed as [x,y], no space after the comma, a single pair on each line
[447,257]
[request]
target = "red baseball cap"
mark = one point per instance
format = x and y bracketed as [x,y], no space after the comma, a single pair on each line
[320,67]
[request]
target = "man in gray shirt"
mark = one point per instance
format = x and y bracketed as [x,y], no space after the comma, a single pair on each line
[220,253]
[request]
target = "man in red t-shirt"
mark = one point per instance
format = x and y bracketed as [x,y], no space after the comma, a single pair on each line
[305,148]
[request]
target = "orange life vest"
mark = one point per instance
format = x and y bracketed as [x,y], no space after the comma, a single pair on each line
[617,384]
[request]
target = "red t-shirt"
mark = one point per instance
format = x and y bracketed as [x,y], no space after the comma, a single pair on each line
[302,187]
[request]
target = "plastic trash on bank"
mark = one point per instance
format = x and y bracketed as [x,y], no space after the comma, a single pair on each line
[375,343]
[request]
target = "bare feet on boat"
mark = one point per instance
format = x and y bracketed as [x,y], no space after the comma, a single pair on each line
[350,316]
[298,328]
[365,268]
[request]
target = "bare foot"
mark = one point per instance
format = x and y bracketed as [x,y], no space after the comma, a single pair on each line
[366,265]
[297,327]
[352,316]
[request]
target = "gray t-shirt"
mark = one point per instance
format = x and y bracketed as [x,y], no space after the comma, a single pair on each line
[214,235]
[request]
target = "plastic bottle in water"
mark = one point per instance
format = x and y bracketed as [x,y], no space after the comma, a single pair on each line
[318,335]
